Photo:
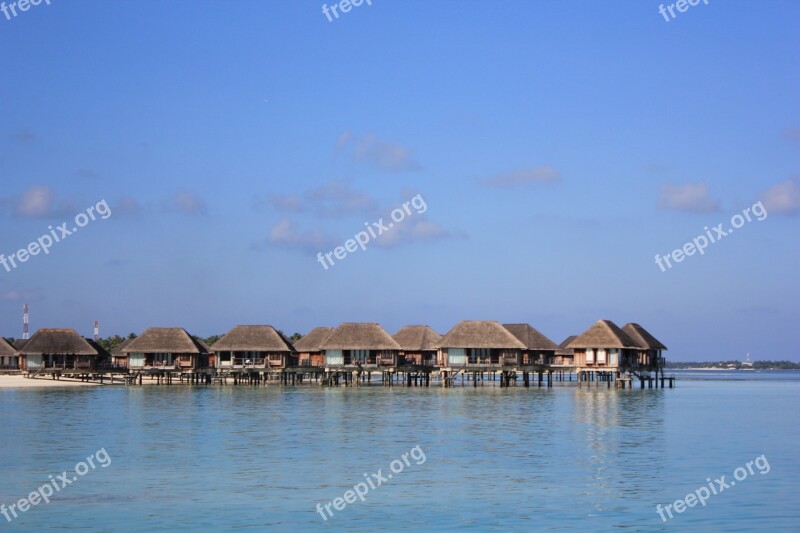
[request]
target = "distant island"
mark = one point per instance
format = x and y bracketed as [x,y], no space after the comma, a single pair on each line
[735,365]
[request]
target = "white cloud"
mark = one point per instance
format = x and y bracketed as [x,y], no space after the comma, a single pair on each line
[378,153]
[127,205]
[792,134]
[37,201]
[542,174]
[690,198]
[285,235]
[187,203]
[330,200]
[783,197]
[40,201]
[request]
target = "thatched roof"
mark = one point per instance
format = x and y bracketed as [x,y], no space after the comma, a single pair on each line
[360,336]
[480,334]
[100,350]
[253,339]
[59,341]
[417,338]
[6,348]
[165,340]
[314,340]
[204,346]
[562,348]
[117,352]
[642,337]
[530,337]
[20,344]
[603,334]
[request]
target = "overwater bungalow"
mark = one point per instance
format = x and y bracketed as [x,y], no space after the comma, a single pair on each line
[166,349]
[648,355]
[603,347]
[258,347]
[119,359]
[480,343]
[565,356]
[61,349]
[539,350]
[360,344]
[9,360]
[309,348]
[418,345]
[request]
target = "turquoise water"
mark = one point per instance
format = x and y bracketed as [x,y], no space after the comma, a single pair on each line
[514,459]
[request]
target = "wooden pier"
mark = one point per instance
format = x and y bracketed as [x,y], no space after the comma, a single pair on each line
[411,376]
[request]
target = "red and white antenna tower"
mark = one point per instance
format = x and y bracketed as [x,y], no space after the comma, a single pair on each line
[25,322]
[96,330]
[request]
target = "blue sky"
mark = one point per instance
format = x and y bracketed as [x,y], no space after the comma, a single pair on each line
[558,146]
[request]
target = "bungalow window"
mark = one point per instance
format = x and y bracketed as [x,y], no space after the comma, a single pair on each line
[601,356]
[479,355]
[456,356]
[589,356]
[359,356]
[613,357]
[334,357]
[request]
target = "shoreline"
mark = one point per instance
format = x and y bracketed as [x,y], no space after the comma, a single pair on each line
[21,382]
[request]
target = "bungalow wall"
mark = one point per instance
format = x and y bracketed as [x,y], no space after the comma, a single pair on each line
[563,360]
[361,357]
[58,361]
[538,357]
[315,359]
[227,359]
[648,358]
[9,362]
[420,358]
[168,361]
[481,356]
[603,357]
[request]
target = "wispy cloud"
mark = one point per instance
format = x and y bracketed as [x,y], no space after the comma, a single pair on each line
[86,173]
[285,235]
[330,200]
[657,168]
[783,197]
[127,206]
[378,153]
[792,134]
[689,198]
[40,201]
[19,296]
[515,178]
[187,202]
[411,231]
[22,135]
[414,228]
[116,263]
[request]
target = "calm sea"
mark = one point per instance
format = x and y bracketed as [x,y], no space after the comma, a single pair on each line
[515,459]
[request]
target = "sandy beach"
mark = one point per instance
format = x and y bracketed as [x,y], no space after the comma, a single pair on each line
[21,382]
